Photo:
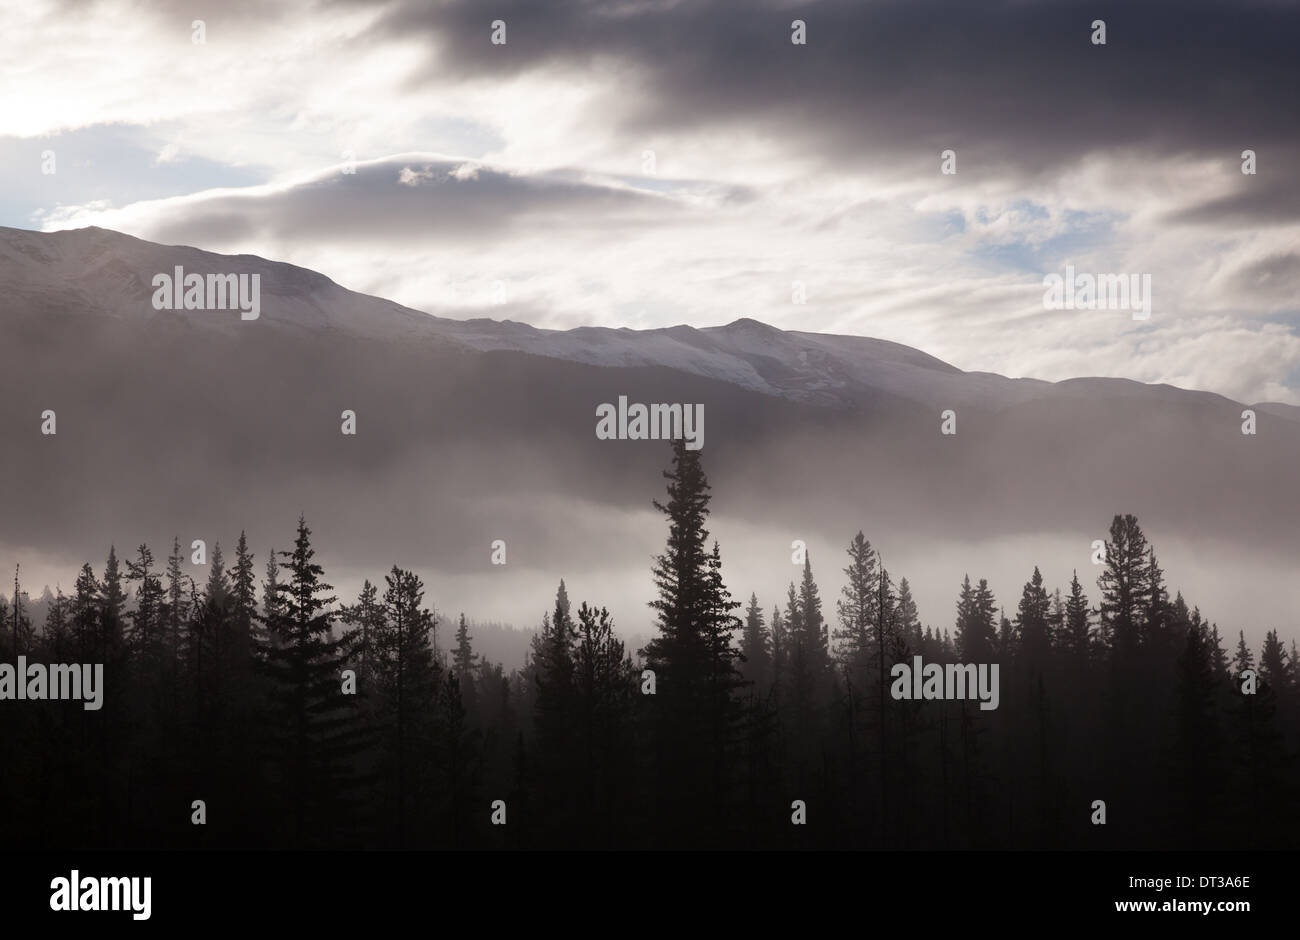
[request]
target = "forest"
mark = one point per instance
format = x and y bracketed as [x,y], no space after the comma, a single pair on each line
[258,711]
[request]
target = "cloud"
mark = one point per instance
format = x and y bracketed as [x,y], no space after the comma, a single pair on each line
[392,200]
[1016,88]
[1267,200]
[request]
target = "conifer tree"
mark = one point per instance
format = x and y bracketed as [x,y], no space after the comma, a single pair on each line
[723,674]
[816,639]
[1077,641]
[177,601]
[19,623]
[553,676]
[908,620]
[112,606]
[1218,656]
[1125,584]
[1262,762]
[1272,661]
[146,619]
[693,657]
[1243,658]
[780,652]
[797,697]
[271,603]
[1155,602]
[456,757]
[304,665]
[209,640]
[463,664]
[554,715]
[406,679]
[976,637]
[1007,645]
[366,620]
[1056,620]
[85,613]
[756,647]
[603,685]
[679,654]
[1033,624]
[244,600]
[56,627]
[463,656]
[857,611]
[1197,782]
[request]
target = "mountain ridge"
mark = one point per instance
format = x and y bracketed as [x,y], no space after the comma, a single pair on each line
[110,270]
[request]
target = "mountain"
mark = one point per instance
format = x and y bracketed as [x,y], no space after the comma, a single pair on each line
[93,268]
[198,423]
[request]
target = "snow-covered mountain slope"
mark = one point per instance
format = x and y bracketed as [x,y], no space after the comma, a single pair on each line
[111,273]
[815,368]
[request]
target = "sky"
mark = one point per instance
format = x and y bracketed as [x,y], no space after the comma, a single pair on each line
[650,162]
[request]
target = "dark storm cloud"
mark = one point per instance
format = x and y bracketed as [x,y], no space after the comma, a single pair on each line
[1276,278]
[409,196]
[1017,86]
[1272,199]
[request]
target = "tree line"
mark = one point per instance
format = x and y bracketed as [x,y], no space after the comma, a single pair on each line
[295,720]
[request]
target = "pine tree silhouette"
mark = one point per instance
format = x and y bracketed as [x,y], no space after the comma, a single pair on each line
[315,732]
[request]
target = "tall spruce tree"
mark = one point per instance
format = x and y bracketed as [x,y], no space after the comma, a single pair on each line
[977,635]
[177,603]
[1033,626]
[406,680]
[146,620]
[1155,604]
[243,610]
[907,617]
[464,665]
[85,613]
[112,609]
[1197,781]
[1077,642]
[604,685]
[456,755]
[1125,585]
[816,638]
[554,715]
[318,739]
[20,625]
[780,652]
[694,661]
[271,603]
[756,647]
[365,620]
[856,610]
[1272,661]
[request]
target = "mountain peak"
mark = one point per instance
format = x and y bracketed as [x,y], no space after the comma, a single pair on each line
[749,324]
